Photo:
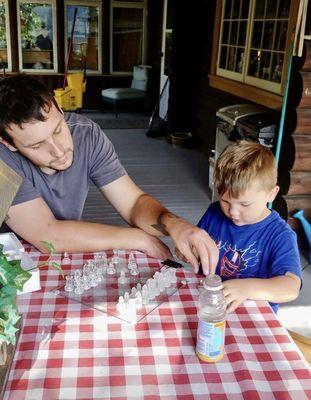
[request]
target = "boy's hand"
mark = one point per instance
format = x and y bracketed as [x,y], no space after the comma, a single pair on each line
[235,291]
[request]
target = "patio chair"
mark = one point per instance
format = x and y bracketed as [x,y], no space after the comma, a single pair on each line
[135,93]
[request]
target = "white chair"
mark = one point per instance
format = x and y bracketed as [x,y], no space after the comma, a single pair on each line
[137,91]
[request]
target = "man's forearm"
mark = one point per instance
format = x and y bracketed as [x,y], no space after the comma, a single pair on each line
[149,215]
[81,236]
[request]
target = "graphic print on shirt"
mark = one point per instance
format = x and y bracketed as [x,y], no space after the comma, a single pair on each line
[236,262]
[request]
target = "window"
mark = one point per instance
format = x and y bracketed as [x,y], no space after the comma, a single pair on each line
[37,35]
[5,48]
[87,43]
[252,45]
[128,39]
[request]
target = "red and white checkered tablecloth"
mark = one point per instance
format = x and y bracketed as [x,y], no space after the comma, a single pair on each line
[94,356]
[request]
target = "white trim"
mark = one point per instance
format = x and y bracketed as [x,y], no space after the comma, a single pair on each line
[8,35]
[264,84]
[226,73]
[121,4]
[19,37]
[94,3]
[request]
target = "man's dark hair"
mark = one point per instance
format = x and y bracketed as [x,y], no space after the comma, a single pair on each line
[22,100]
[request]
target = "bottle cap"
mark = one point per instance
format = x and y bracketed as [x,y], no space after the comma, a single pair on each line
[212,282]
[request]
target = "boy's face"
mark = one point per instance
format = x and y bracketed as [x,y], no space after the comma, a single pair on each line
[47,144]
[249,207]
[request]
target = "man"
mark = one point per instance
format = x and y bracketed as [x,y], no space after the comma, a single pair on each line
[58,156]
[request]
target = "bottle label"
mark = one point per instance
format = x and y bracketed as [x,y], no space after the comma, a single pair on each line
[210,340]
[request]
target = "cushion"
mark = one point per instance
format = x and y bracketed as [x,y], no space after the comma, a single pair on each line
[123,93]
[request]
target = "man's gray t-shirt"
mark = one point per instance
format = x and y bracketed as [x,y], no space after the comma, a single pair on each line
[94,160]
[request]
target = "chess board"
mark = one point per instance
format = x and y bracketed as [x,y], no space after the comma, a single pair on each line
[104,297]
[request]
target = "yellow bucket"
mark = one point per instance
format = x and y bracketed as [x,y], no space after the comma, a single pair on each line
[70,98]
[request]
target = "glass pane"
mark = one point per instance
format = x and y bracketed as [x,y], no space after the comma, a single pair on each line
[253,69]
[3,38]
[223,57]
[234,32]
[265,69]
[281,32]
[127,38]
[245,9]
[284,8]
[225,32]
[242,33]
[271,8]
[277,67]
[236,9]
[257,33]
[86,37]
[36,21]
[260,9]
[231,59]
[228,6]
[239,61]
[268,35]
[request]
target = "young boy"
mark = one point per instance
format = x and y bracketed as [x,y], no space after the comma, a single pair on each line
[258,254]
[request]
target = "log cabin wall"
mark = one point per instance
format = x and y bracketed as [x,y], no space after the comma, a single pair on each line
[299,129]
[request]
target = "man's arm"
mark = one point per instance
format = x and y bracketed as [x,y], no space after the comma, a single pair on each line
[34,221]
[143,211]
[278,289]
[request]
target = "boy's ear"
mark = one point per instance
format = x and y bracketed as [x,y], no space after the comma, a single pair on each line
[7,144]
[273,193]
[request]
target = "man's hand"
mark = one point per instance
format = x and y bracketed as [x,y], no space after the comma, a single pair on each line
[236,291]
[152,246]
[193,245]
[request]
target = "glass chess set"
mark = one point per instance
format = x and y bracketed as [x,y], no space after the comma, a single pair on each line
[121,286]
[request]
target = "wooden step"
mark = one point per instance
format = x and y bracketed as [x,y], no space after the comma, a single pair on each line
[300,183]
[302,145]
[302,202]
[303,124]
[305,101]
[307,56]
[303,343]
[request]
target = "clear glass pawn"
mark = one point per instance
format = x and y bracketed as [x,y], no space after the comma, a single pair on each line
[66,259]
[111,269]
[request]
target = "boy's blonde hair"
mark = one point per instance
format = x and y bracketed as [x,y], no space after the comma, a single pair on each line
[240,164]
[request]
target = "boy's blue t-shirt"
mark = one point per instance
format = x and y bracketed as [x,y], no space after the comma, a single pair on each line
[262,250]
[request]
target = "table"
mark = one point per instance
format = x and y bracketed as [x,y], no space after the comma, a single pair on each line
[94,356]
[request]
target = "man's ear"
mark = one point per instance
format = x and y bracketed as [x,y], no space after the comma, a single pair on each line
[273,193]
[7,144]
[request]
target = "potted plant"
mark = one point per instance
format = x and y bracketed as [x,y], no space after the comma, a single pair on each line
[12,278]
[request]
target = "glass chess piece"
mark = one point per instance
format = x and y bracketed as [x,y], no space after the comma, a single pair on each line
[111,269]
[69,287]
[122,280]
[66,259]
[115,258]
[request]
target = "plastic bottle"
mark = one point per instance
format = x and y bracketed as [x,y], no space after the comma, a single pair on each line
[212,320]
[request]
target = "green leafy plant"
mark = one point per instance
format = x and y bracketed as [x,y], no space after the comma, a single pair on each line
[12,278]
[30,21]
